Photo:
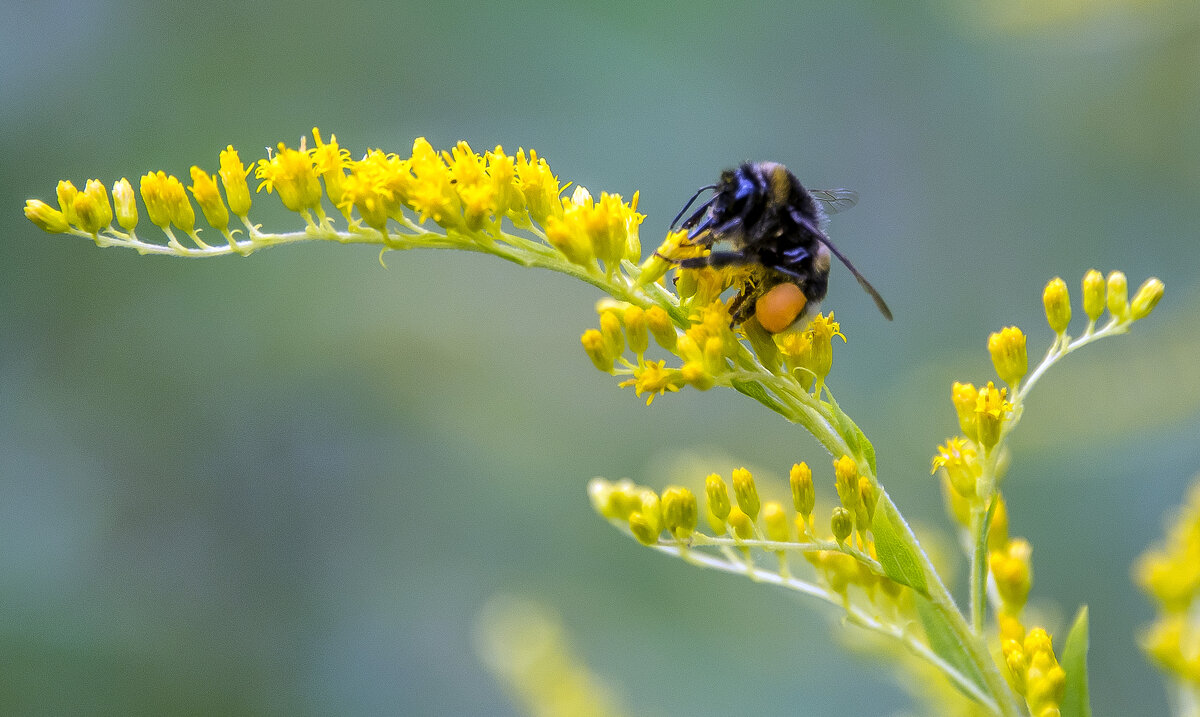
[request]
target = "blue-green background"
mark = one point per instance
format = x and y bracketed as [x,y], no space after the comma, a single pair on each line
[285,485]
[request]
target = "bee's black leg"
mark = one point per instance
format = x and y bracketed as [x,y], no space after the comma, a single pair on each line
[717,259]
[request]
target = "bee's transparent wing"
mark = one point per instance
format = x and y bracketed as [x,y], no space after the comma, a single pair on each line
[835,200]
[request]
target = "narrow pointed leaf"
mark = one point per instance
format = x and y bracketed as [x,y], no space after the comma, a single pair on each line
[1074,660]
[894,550]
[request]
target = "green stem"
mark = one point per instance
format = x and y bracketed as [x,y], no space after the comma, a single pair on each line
[854,614]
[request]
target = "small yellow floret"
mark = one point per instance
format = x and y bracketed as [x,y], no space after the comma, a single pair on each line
[717,494]
[597,350]
[679,511]
[842,524]
[804,495]
[1007,348]
[1012,571]
[1118,295]
[991,410]
[965,396]
[166,201]
[654,378]
[125,204]
[775,522]
[846,472]
[1146,298]
[46,217]
[204,190]
[1057,301]
[746,492]
[233,177]
[330,162]
[92,209]
[958,457]
[1093,294]
[291,173]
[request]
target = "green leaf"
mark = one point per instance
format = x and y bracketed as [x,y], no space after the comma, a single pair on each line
[1074,660]
[855,439]
[755,390]
[945,644]
[893,545]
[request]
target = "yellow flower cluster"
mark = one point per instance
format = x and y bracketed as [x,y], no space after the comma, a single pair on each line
[1033,670]
[167,205]
[751,522]
[1098,294]
[709,349]
[465,193]
[1170,574]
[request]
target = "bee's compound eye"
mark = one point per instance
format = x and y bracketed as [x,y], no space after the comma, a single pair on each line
[779,307]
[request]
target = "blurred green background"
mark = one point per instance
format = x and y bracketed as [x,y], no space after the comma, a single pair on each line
[285,485]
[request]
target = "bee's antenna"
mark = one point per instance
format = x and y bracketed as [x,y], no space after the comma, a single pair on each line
[862,280]
[699,191]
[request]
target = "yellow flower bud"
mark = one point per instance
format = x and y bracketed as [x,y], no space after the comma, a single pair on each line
[1058,305]
[696,375]
[1118,295]
[842,524]
[651,507]
[66,193]
[204,189]
[1093,294]
[1146,298]
[600,494]
[233,177]
[804,495]
[92,207]
[636,331]
[1007,348]
[775,522]
[868,497]
[125,204]
[610,329]
[717,494]
[659,323]
[964,396]
[1013,573]
[846,472]
[624,498]
[742,524]
[746,492]
[679,511]
[645,530]
[46,217]
[597,350]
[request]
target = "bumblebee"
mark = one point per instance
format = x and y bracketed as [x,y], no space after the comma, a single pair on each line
[771,222]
